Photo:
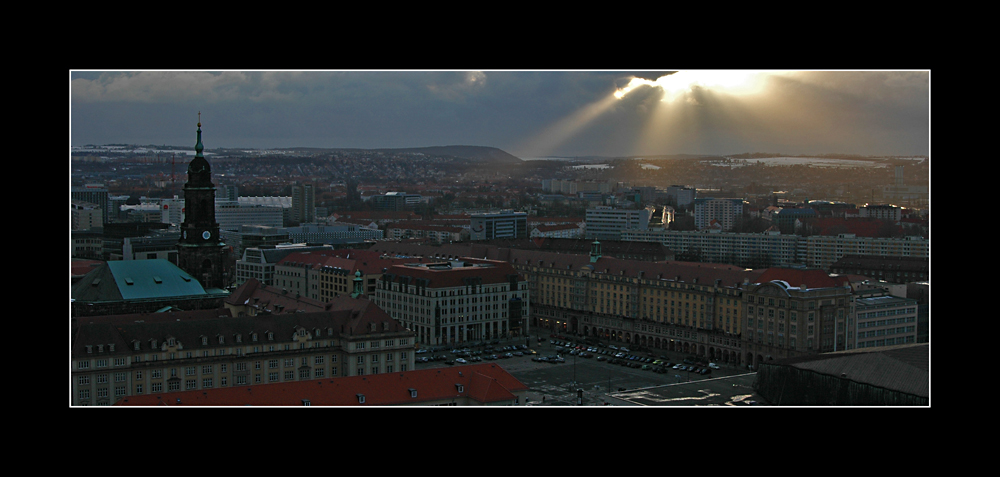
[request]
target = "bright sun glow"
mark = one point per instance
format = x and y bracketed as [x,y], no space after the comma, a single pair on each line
[682,82]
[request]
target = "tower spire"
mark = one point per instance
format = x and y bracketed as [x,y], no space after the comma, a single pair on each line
[198,148]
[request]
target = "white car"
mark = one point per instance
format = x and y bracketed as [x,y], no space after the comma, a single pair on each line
[460,360]
[713,366]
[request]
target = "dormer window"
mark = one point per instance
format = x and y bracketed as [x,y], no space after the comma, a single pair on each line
[204,340]
[413,393]
[361,398]
[100,348]
[254,337]
[135,345]
[270,335]
[460,387]
[111,347]
[90,348]
[222,339]
[239,338]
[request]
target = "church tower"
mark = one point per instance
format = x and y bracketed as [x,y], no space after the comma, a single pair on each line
[200,252]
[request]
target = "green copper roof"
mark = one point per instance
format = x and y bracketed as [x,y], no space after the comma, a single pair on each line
[145,279]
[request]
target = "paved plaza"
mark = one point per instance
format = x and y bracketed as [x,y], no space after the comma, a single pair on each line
[589,382]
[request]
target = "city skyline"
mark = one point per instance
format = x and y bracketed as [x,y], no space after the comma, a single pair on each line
[525,113]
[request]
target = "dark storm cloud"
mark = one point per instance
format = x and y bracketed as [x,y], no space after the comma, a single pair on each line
[372,109]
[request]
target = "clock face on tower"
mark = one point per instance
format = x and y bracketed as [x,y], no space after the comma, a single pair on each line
[206,235]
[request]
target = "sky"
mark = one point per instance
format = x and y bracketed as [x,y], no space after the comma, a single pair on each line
[526,113]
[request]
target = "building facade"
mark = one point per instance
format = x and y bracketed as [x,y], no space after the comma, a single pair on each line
[822,251]
[259,262]
[723,211]
[793,312]
[505,224]
[319,233]
[608,223]
[85,215]
[129,355]
[881,319]
[752,250]
[451,302]
[303,203]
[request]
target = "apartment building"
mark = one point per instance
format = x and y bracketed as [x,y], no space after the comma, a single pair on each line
[114,357]
[754,250]
[724,211]
[881,212]
[455,301]
[822,251]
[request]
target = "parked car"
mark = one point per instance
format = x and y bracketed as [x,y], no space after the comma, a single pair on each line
[460,360]
[713,366]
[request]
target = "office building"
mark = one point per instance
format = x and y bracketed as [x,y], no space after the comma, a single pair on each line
[95,194]
[881,319]
[231,215]
[85,215]
[320,233]
[303,203]
[504,224]
[794,312]
[395,201]
[456,301]
[608,223]
[681,196]
[259,262]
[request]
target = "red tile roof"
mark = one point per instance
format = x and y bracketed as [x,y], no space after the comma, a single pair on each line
[255,294]
[481,384]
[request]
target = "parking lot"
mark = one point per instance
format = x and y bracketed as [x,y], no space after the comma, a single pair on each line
[599,378]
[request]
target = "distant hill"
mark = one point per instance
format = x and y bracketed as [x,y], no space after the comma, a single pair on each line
[473,153]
